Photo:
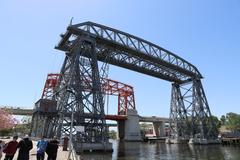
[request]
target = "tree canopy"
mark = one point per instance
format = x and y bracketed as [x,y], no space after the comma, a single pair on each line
[6,120]
[233,121]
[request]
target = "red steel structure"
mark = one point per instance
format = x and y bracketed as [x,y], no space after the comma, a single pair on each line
[50,86]
[124,92]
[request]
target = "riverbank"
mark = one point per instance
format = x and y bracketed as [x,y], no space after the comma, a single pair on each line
[231,141]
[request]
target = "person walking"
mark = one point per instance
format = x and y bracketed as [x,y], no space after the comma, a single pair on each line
[25,145]
[2,144]
[52,148]
[10,148]
[41,148]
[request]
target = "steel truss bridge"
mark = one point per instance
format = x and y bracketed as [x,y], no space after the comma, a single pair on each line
[89,48]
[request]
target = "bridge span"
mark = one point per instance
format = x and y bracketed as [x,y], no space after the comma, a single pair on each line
[159,123]
[26,111]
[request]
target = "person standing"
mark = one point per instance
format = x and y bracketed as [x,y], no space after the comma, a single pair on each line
[52,148]
[25,145]
[2,144]
[10,148]
[65,143]
[41,148]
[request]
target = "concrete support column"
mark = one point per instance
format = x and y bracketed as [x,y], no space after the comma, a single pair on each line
[159,128]
[162,129]
[132,127]
[156,127]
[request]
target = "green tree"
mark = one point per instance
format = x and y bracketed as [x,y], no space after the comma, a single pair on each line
[6,132]
[233,121]
[112,134]
[143,128]
[23,128]
[216,121]
[213,120]
[223,120]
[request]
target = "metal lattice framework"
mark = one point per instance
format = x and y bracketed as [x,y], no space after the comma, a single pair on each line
[72,96]
[50,86]
[91,42]
[124,92]
[190,115]
[43,121]
[179,114]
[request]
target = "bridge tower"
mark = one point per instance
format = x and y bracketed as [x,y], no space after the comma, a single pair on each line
[80,98]
[190,116]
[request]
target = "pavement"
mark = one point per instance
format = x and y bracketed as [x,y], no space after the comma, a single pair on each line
[62,155]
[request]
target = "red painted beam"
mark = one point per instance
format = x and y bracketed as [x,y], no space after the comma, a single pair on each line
[115,117]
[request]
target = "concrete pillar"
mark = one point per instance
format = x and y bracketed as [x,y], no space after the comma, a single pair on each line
[156,127]
[162,129]
[159,128]
[132,127]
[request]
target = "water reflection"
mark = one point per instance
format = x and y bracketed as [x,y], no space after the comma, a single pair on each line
[158,150]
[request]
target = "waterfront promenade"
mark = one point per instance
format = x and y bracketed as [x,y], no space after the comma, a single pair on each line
[62,155]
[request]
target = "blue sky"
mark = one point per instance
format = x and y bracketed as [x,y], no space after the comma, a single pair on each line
[205,33]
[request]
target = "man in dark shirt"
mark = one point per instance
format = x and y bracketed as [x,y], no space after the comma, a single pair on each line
[10,148]
[52,148]
[25,145]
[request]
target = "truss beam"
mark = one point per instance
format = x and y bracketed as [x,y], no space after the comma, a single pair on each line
[171,67]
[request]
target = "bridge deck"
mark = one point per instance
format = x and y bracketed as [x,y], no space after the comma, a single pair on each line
[29,112]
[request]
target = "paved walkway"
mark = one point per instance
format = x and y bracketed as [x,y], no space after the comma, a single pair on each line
[62,155]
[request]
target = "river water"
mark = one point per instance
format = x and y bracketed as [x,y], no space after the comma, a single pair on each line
[162,151]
